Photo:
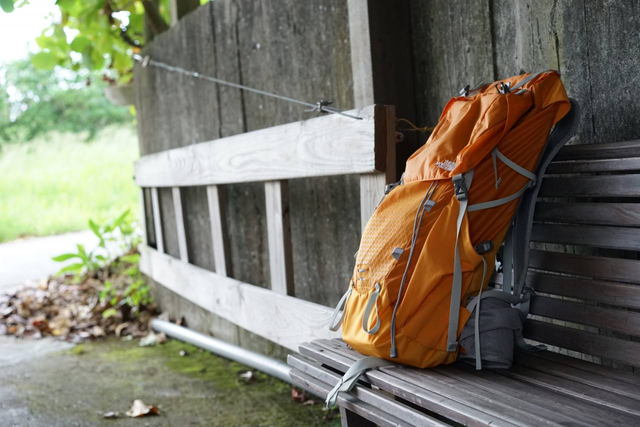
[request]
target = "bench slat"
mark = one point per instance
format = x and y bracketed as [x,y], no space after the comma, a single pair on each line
[592,290]
[347,401]
[587,378]
[558,408]
[574,389]
[627,322]
[603,371]
[613,150]
[590,235]
[614,269]
[489,402]
[584,342]
[622,214]
[400,411]
[592,186]
[452,409]
[598,165]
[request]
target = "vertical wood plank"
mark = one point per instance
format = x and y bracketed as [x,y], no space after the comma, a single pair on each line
[276,194]
[143,218]
[157,219]
[179,215]
[220,238]
[374,30]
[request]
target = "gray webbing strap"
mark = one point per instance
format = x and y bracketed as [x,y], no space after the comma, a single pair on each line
[373,299]
[339,310]
[498,202]
[461,183]
[528,79]
[507,267]
[516,167]
[508,298]
[524,346]
[477,322]
[350,378]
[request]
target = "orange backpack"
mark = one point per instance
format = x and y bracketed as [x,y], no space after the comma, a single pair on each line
[432,241]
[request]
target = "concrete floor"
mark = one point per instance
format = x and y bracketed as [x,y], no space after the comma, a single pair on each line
[75,387]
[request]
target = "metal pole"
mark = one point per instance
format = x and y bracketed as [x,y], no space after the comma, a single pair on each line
[269,366]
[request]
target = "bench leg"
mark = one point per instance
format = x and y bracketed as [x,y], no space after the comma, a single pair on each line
[351,419]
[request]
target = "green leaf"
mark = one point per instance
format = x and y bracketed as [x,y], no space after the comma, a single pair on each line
[64,257]
[79,44]
[95,228]
[7,5]
[44,60]
[78,266]
[109,312]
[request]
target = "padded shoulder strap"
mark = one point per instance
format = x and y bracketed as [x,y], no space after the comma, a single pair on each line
[562,132]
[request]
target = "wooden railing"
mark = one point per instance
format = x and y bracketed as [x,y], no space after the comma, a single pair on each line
[329,145]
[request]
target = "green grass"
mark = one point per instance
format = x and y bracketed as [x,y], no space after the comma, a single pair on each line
[55,184]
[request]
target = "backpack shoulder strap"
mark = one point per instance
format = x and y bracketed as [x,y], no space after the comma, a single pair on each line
[562,132]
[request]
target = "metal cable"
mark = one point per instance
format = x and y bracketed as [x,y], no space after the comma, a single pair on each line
[320,106]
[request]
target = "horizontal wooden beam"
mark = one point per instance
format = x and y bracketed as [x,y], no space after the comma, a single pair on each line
[328,145]
[285,320]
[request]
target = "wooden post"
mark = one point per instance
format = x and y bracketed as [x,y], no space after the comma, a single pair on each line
[382,74]
[157,219]
[276,194]
[220,238]
[143,218]
[179,215]
[179,8]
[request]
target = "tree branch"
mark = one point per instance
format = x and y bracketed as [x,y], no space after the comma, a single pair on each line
[156,21]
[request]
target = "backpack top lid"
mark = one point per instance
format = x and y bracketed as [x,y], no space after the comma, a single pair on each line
[471,126]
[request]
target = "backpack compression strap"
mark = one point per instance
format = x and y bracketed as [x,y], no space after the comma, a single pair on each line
[350,378]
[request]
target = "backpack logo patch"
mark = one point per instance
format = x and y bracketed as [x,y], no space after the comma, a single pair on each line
[447,165]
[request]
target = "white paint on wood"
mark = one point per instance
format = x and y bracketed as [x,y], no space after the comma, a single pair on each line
[179,215]
[219,237]
[282,319]
[276,195]
[328,145]
[157,219]
[143,218]
[371,193]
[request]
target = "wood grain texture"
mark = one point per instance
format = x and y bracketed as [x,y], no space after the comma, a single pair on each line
[619,214]
[598,165]
[284,320]
[626,238]
[592,186]
[611,293]
[157,222]
[615,269]
[179,216]
[584,342]
[219,236]
[624,321]
[611,150]
[404,413]
[276,195]
[331,145]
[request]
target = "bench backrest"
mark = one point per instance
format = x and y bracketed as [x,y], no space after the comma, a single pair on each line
[584,261]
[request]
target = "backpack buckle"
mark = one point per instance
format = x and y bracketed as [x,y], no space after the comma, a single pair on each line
[460,187]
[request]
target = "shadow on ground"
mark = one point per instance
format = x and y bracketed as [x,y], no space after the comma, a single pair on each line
[76,386]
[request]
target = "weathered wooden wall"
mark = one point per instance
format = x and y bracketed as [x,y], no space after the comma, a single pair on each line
[593,43]
[298,49]
[301,49]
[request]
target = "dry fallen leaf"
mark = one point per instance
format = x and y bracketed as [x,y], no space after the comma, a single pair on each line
[152,339]
[120,327]
[140,409]
[298,395]
[309,402]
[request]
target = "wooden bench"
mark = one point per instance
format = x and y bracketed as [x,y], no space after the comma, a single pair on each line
[585,269]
